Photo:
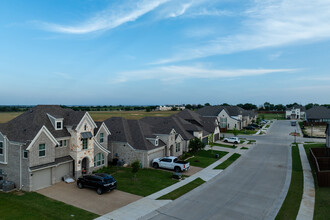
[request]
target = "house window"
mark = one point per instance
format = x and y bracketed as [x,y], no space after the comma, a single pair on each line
[178,147]
[58,125]
[156,142]
[65,143]
[61,143]
[85,127]
[42,150]
[228,125]
[1,148]
[101,137]
[25,154]
[99,160]
[85,143]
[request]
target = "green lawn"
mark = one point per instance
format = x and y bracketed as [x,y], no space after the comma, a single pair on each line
[244,148]
[251,141]
[269,116]
[291,204]
[32,205]
[322,194]
[243,131]
[183,189]
[229,161]
[267,126]
[148,181]
[224,145]
[102,115]
[205,158]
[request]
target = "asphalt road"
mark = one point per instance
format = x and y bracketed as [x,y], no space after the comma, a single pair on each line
[251,188]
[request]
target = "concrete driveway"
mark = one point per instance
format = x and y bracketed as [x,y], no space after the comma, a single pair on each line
[88,199]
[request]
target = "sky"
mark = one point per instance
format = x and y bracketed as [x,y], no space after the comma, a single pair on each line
[155,52]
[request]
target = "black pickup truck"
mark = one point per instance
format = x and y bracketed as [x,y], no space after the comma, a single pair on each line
[100,181]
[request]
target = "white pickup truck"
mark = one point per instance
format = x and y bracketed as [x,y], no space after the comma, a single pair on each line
[171,163]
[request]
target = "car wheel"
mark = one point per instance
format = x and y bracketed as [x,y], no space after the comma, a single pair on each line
[155,165]
[80,185]
[99,191]
[177,169]
[225,141]
[235,142]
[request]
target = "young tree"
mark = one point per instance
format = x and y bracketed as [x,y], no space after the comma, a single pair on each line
[195,145]
[135,168]
[235,132]
[210,140]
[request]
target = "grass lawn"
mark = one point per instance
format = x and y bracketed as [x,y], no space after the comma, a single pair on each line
[102,115]
[243,131]
[291,204]
[251,141]
[205,158]
[229,161]
[7,116]
[32,205]
[183,189]
[224,145]
[267,126]
[322,194]
[269,116]
[148,181]
[244,148]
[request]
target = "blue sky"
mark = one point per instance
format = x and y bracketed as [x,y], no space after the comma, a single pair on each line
[109,52]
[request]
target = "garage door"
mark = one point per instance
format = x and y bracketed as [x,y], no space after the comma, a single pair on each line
[41,179]
[62,170]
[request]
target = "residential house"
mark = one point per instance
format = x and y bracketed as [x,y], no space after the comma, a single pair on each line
[327,133]
[209,124]
[228,118]
[41,146]
[169,107]
[132,140]
[295,112]
[318,114]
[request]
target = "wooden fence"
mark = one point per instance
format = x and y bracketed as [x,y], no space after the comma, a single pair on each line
[321,162]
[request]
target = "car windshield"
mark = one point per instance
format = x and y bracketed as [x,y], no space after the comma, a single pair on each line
[108,179]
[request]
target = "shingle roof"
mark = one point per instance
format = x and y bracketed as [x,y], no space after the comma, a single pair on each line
[318,112]
[206,123]
[210,110]
[134,132]
[164,125]
[24,127]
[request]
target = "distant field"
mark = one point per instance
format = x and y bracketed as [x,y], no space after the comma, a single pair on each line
[268,116]
[102,115]
[7,116]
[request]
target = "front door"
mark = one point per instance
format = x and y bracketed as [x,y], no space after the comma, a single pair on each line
[84,166]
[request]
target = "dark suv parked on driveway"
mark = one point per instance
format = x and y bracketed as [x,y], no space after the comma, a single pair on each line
[100,181]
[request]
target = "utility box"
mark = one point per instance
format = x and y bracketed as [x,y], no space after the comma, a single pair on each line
[8,186]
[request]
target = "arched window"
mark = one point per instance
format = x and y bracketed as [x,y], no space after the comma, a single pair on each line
[99,160]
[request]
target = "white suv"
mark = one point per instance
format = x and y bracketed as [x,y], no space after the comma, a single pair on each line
[234,140]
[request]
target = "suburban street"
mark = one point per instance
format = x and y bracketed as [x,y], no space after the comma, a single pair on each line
[252,188]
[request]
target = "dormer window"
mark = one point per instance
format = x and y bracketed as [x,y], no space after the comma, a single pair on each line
[58,125]
[156,142]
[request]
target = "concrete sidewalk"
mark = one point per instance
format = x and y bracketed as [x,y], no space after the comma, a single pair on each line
[306,210]
[150,203]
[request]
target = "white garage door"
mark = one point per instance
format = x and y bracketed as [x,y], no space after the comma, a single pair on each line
[62,170]
[41,179]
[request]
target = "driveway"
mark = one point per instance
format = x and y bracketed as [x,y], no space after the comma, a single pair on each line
[88,199]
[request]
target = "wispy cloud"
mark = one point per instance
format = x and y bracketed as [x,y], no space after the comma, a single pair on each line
[169,73]
[314,78]
[107,19]
[268,24]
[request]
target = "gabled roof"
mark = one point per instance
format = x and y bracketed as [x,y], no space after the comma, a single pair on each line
[24,127]
[210,110]
[206,123]
[133,132]
[318,112]
[164,125]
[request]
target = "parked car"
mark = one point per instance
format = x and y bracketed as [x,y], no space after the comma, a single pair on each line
[249,127]
[171,163]
[255,125]
[234,140]
[100,181]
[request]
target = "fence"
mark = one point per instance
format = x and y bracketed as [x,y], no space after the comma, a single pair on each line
[315,123]
[321,161]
